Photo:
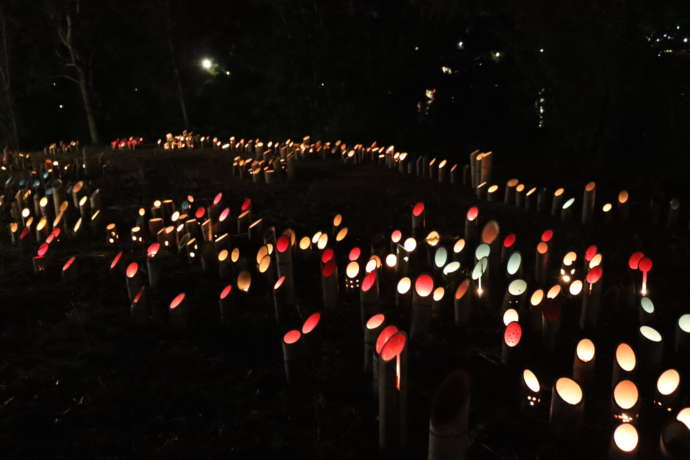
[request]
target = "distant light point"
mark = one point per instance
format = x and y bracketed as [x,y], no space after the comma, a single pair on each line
[541,50]
[206,63]
[461,45]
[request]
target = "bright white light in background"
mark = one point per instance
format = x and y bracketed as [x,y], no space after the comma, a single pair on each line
[206,63]
[227,72]
[541,50]
[685,39]
[416,48]
[461,45]
[497,54]
[677,27]
[61,106]
[446,70]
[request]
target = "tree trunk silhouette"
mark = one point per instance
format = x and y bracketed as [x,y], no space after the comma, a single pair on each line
[173,61]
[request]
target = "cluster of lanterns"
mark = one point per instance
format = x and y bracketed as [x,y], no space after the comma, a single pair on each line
[129,143]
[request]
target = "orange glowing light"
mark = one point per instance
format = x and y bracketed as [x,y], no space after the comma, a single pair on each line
[404,285]
[462,289]
[132,270]
[512,334]
[472,213]
[354,254]
[509,240]
[396,236]
[393,346]
[311,323]
[369,281]
[536,298]
[542,248]
[69,263]
[279,283]
[292,336]
[376,321]
[225,292]
[623,197]
[418,209]
[177,301]
[424,285]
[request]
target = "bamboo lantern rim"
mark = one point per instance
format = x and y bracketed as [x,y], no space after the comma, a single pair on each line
[623,196]
[225,292]
[383,337]
[626,394]
[542,248]
[279,282]
[490,232]
[200,213]
[512,334]
[116,259]
[634,260]
[69,263]
[244,281]
[132,270]
[575,288]
[410,244]
[559,191]
[424,285]
[452,267]
[668,382]
[352,270]
[684,323]
[311,322]
[433,238]
[536,298]
[569,258]
[462,289]
[684,417]
[322,242]
[42,250]
[482,251]
[569,391]
[265,264]
[305,243]
[594,275]
[547,235]
[156,203]
[438,294]
[369,281]
[554,291]
[472,213]
[440,257]
[590,186]
[175,216]
[418,209]
[327,255]
[217,199]
[141,212]
[459,246]
[531,191]
[625,357]
[292,336]
[341,235]
[493,189]
[404,285]
[585,350]
[645,264]
[517,287]
[375,321]
[590,252]
[514,263]
[647,305]
[224,215]
[607,207]
[139,295]
[625,437]
[510,315]
[337,220]
[152,250]
[393,346]
[246,205]
[223,255]
[177,301]
[235,255]
[396,236]
[531,381]
[391,260]
[283,244]
[26,213]
[509,240]
[650,334]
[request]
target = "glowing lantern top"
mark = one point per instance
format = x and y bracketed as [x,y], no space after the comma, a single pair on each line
[152,250]
[634,260]
[116,260]
[328,269]
[569,391]
[394,346]
[591,252]
[218,198]
[594,275]
[327,255]
[69,263]
[512,334]
[132,270]
[531,381]
[282,244]
[424,285]
[225,292]
[311,323]
[375,321]
[292,336]
[246,205]
[200,213]
[509,240]
[383,337]
[418,209]
[369,281]
[177,301]
[396,236]
[645,264]
[472,213]
[547,236]
[625,436]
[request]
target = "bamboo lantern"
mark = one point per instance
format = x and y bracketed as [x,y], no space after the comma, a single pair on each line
[224,305]
[115,265]
[509,194]
[674,440]
[386,333]
[542,198]
[26,216]
[507,246]
[624,364]
[437,301]
[623,206]
[69,270]
[153,264]
[530,200]
[567,408]
[651,349]
[179,311]
[279,300]
[683,335]
[111,235]
[96,222]
[462,303]
[442,168]
[421,305]
[431,169]
[136,235]
[514,296]
[482,191]
[139,308]
[58,195]
[222,224]
[645,267]
[418,219]
[584,363]
[625,402]
[395,239]
[389,272]
[77,190]
[531,391]
[311,334]
[667,390]
[284,258]
[624,442]
[557,201]
[591,299]
[567,210]
[567,271]
[453,175]
[646,311]
[243,281]
[520,196]
[403,296]
[607,213]
[633,266]
[475,173]
[542,263]
[133,279]
[514,265]
[510,349]
[155,225]
[492,193]
[369,297]
[293,357]
[551,323]
[458,248]
[392,392]
[478,275]
[408,261]
[243,221]
[372,329]
[472,225]
[95,200]
[329,285]
[42,229]
[14,232]
[44,208]
[448,422]
[588,202]
[352,277]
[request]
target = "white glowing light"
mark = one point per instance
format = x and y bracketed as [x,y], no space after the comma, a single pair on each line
[206,63]
[461,45]
[541,50]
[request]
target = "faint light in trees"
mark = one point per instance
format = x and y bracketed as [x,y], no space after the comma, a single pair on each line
[206,63]
[461,45]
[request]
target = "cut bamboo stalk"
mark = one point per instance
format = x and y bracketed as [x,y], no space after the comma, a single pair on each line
[588,202]
[584,363]
[625,402]
[448,422]
[373,327]
[624,364]
[557,201]
[393,393]
[567,408]
[624,443]
[421,305]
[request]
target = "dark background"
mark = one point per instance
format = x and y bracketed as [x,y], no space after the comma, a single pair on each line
[614,99]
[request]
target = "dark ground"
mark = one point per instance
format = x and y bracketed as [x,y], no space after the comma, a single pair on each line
[79,380]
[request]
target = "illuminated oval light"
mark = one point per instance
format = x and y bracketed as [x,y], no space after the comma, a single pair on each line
[482,251]
[547,236]
[223,255]
[542,248]
[315,237]
[132,270]
[337,220]
[451,268]
[440,257]
[479,268]
[647,305]
[311,323]
[439,293]
[304,243]
[410,244]
[575,287]
[354,254]
[246,204]
[472,213]
[591,252]
[225,292]
[645,264]
[116,260]
[512,334]
[393,346]
[625,357]
[200,212]
[69,263]
[383,337]
[424,285]
[217,199]
[509,240]
[369,281]
[323,241]
[224,215]
[391,261]
[371,265]
[279,283]
[375,321]
[404,285]
[554,291]
[594,275]
[352,270]
[509,316]
[684,417]
[684,323]
[152,250]
[292,336]
[177,301]
[235,255]
[607,207]
[282,244]
[569,391]
[537,297]
[418,209]
[459,246]
[514,263]
[265,264]
[668,382]
[568,203]
[490,232]
[517,287]
[585,350]
[634,260]
[625,394]
[42,250]
[462,290]
[569,258]
[244,281]
[531,381]
[433,238]
[396,236]
[327,256]
[623,196]
[626,438]
[650,334]
[342,234]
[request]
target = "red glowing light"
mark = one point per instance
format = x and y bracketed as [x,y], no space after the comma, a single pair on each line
[224,215]
[645,265]
[24,233]
[424,284]
[53,236]
[354,254]
[132,270]
[383,337]
[594,275]
[509,240]
[368,281]
[139,295]
[69,263]
[200,212]
[311,323]
[116,260]
[328,269]
[225,292]
[418,209]
[396,236]
[218,198]
[292,336]
[279,283]
[177,301]
[282,244]
[376,321]
[246,204]
[634,260]
[472,213]
[394,346]
[591,252]
[547,236]
[42,249]
[512,334]
[152,250]
[327,255]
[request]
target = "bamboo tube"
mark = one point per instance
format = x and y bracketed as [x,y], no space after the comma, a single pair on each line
[179,311]
[133,280]
[510,349]
[293,357]
[418,219]
[373,327]
[584,363]
[280,301]
[225,305]
[624,443]
[651,349]
[448,422]
[329,285]
[393,392]
[369,297]
[462,303]
[514,265]
[475,172]
[567,210]
[625,402]
[682,343]
[509,195]
[557,201]
[588,202]
[492,194]
[591,299]
[472,225]
[623,206]
[284,258]
[530,200]
[485,166]
[542,199]
[139,309]
[482,191]
[421,305]
[520,196]
[672,214]
[567,408]
[674,440]
[542,263]
[403,295]
[624,364]
[153,265]
[607,213]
